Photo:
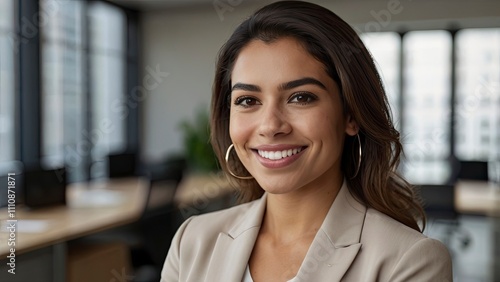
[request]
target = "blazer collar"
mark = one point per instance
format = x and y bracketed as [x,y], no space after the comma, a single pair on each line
[337,242]
[331,253]
[233,249]
[344,221]
[254,216]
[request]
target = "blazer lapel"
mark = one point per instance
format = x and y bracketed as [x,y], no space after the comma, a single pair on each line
[329,257]
[337,242]
[233,249]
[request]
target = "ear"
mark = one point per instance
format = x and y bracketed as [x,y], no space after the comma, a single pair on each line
[351,126]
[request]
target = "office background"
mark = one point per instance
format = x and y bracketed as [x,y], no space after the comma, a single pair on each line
[417,69]
[80,80]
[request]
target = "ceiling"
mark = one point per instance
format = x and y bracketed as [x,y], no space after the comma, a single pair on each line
[149,5]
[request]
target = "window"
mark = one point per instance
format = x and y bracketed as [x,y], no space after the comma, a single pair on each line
[426,115]
[63,88]
[8,113]
[108,99]
[83,67]
[385,47]
[426,97]
[478,94]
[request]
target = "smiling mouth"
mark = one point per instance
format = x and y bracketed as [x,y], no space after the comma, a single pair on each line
[278,155]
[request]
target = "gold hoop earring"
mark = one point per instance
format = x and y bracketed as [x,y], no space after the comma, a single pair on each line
[227,165]
[359,158]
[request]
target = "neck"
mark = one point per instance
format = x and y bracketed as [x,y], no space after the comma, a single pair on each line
[300,213]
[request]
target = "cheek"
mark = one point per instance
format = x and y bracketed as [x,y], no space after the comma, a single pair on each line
[240,134]
[238,129]
[321,125]
[330,129]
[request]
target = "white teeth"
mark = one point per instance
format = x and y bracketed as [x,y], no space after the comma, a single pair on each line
[277,155]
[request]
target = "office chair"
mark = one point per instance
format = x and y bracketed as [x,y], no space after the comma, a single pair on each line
[44,187]
[122,165]
[439,206]
[473,170]
[160,219]
[439,201]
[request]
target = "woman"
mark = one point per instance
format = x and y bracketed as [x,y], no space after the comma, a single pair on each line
[301,123]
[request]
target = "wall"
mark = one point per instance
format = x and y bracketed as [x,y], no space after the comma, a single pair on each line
[184,43]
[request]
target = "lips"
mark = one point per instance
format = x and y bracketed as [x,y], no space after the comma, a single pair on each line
[278,155]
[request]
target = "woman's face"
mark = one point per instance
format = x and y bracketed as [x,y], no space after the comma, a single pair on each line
[286,120]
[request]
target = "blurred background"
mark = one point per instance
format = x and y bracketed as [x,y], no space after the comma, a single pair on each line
[102,91]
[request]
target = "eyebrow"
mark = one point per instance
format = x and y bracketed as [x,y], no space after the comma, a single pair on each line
[299,82]
[246,87]
[284,86]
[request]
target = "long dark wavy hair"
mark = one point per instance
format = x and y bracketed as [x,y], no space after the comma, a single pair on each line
[334,43]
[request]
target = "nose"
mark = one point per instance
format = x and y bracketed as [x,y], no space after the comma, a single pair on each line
[273,122]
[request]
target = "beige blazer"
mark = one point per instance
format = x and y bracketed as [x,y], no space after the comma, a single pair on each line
[354,243]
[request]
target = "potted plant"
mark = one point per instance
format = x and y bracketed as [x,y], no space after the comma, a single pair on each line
[197,148]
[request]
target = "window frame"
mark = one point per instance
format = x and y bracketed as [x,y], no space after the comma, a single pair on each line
[452,123]
[28,85]
[14,35]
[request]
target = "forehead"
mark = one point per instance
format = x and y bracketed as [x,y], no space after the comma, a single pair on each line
[279,60]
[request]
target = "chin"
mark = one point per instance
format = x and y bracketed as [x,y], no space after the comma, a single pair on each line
[277,187]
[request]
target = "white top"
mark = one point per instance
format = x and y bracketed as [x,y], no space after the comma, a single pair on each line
[247,277]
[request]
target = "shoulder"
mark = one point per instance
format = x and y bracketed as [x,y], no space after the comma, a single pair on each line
[402,253]
[195,240]
[383,227]
[203,230]
[394,236]
[223,220]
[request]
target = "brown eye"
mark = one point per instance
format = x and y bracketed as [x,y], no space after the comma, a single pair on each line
[246,101]
[302,98]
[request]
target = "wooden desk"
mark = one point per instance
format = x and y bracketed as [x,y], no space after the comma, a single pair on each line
[76,219]
[44,254]
[477,197]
